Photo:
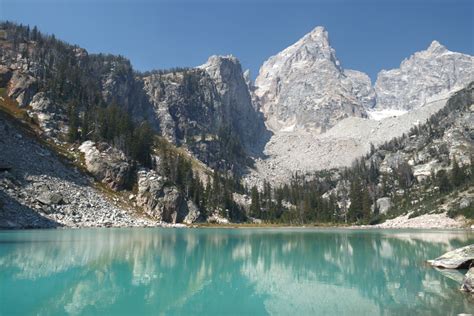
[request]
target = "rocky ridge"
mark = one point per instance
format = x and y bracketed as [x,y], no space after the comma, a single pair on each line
[295,85]
[423,76]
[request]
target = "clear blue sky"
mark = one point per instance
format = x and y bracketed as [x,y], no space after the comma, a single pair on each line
[368,35]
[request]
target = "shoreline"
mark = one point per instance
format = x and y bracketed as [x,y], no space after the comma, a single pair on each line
[249,226]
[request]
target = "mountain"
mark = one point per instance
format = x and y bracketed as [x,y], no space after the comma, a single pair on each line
[296,89]
[305,87]
[423,77]
[238,110]
[191,144]
[203,106]
[143,133]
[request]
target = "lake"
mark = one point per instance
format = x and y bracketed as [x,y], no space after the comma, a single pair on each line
[153,271]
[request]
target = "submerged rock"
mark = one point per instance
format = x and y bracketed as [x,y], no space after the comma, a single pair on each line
[468,281]
[456,259]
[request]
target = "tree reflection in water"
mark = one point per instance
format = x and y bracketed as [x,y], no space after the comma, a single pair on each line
[216,271]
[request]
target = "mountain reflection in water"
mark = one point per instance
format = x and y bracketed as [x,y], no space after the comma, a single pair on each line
[222,271]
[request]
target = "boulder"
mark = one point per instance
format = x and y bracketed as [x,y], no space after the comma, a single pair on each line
[193,213]
[465,202]
[150,188]
[456,259]
[50,198]
[162,202]
[107,164]
[173,206]
[468,281]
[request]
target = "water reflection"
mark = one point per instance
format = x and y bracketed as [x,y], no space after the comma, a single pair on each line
[216,271]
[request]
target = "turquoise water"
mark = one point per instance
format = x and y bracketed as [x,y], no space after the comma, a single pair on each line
[228,272]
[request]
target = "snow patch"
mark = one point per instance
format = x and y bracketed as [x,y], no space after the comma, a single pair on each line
[383,114]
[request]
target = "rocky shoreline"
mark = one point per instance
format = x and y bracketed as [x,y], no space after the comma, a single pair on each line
[39,190]
[461,258]
[425,221]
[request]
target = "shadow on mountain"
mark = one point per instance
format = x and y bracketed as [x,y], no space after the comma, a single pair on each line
[14,215]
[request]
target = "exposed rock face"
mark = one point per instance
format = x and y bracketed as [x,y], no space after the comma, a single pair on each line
[185,103]
[50,116]
[193,213]
[174,207]
[120,85]
[423,76]
[237,109]
[163,202]
[191,103]
[22,88]
[150,188]
[107,164]
[304,86]
[384,204]
[456,259]
[361,87]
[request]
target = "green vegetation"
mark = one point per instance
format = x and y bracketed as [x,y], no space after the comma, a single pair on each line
[467,212]
[74,84]
[75,81]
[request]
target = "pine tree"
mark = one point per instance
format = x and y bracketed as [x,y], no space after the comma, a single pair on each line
[443,181]
[255,208]
[73,131]
[457,175]
[360,202]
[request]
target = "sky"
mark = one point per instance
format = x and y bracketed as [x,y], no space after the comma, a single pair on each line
[368,35]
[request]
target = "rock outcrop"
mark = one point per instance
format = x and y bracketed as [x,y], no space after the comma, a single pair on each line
[22,88]
[190,103]
[163,202]
[305,87]
[237,109]
[108,164]
[361,87]
[186,103]
[422,77]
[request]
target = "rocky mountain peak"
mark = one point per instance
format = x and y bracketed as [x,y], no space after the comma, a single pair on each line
[318,35]
[304,86]
[237,106]
[423,77]
[222,67]
[436,46]
[312,47]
